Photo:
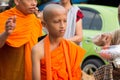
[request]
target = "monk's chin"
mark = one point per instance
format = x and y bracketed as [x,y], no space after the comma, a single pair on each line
[31,12]
[61,35]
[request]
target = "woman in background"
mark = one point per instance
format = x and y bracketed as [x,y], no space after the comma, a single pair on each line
[74,22]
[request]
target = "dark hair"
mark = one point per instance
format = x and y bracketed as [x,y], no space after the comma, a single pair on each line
[10,4]
[71,1]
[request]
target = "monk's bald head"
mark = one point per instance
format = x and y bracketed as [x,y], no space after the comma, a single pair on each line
[50,9]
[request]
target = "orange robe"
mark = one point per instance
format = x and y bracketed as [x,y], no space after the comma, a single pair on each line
[12,63]
[28,29]
[63,63]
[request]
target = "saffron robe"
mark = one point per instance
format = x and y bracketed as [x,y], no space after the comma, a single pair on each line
[28,29]
[63,63]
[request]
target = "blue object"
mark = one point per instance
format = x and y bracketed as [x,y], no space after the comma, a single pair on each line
[41,7]
[78,1]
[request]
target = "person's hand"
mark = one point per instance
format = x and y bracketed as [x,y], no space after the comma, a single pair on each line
[106,39]
[38,13]
[106,56]
[10,24]
[103,39]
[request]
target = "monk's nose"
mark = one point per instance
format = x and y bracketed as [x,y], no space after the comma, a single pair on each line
[62,24]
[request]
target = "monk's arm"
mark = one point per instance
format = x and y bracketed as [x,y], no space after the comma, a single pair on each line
[9,27]
[3,37]
[35,64]
[78,33]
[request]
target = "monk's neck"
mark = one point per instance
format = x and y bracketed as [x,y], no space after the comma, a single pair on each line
[55,41]
[22,12]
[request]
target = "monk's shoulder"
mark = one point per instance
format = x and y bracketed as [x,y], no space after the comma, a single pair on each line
[71,43]
[38,49]
[74,46]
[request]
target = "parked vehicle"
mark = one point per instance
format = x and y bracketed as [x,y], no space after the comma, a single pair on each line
[97,19]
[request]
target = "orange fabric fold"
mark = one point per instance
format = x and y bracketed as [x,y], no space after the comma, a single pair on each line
[48,59]
[28,29]
[63,62]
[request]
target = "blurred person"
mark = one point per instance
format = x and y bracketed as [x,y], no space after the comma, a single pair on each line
[19,32]
[111,38]
[110,43]
[55,58]
[74,22]
[107,39]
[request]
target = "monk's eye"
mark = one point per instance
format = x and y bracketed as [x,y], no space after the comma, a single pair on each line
[56,21]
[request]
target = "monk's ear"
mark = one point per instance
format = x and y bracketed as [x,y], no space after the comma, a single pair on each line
[44,23]
[16,2]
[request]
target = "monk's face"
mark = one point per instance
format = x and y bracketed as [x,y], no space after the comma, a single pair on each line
[26,6]
[56,22]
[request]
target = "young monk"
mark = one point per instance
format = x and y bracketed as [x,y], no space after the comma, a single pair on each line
[74,21]
[19,31]
[55,58]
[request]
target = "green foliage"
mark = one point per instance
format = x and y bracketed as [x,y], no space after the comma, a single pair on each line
[39,1]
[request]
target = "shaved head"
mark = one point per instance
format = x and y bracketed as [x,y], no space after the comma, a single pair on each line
[50,9]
